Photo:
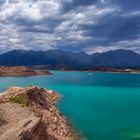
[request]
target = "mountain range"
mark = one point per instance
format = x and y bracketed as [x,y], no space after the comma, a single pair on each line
[116,58]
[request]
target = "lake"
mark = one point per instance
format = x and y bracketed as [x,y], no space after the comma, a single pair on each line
[100,106]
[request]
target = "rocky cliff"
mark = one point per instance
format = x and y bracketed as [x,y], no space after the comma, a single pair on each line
[30,114]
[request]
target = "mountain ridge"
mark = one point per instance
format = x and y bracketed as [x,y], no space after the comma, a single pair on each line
[113,58]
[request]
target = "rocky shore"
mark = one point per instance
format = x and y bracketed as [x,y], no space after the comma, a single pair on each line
[30,114]
[21,71]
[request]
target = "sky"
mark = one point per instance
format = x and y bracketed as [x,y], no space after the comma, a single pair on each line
[71,25]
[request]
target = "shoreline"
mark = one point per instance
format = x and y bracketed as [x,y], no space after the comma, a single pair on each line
[21,71]
[122,72]
[42,105]
[6,71]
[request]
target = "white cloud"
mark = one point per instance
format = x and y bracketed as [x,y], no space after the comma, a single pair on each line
[29,9]
[127,44]
[70,28]
[44,24]
[135,42]
[98,49]
[134,13]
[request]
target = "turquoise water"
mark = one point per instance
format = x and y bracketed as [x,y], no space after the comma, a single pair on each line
[101,106]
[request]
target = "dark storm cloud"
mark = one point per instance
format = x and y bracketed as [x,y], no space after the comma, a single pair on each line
[128,5]
[76,3]
[2,2]
[115,28]
[75,25]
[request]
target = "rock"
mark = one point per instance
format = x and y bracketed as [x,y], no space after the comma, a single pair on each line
[50,125]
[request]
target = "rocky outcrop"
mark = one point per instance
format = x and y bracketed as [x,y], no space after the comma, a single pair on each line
[19,121]
[44,121]
[20,71]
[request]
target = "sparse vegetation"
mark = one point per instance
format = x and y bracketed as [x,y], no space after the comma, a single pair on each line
[21,99]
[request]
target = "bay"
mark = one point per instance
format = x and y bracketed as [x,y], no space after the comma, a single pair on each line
[100,106]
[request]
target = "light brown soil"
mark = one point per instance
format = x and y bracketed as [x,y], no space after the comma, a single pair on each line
[18,119]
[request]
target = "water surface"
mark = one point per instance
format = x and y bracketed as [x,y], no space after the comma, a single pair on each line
[101,106]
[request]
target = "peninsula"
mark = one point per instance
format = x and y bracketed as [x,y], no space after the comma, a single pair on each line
[21,71]
[30,113]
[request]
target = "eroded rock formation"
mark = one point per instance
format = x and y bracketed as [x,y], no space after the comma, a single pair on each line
[38,120]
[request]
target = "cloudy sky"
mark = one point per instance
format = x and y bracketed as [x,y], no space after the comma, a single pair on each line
[73,25]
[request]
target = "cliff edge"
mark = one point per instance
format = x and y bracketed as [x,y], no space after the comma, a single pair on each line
[30,114]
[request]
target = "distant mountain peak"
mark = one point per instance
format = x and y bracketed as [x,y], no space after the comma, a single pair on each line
[114,58]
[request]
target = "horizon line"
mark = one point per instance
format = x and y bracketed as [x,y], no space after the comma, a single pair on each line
[67,51]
